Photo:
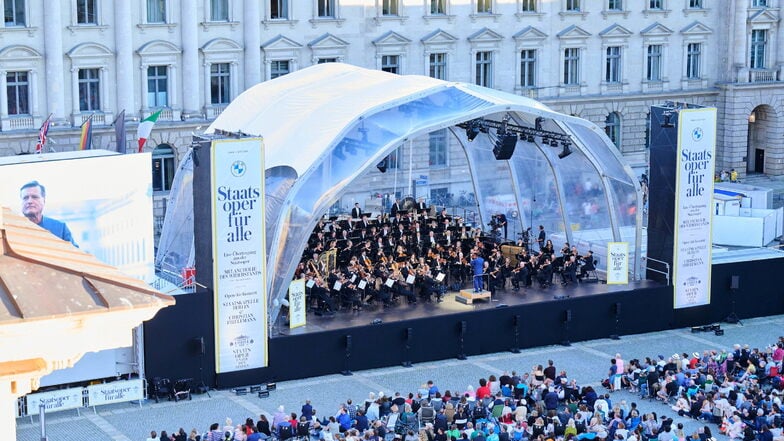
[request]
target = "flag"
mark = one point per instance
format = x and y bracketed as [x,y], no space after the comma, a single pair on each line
[86,138]
[145,128]
[119,132]
[42,135]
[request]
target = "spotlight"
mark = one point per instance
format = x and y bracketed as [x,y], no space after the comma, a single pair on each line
[667,123]
[504,146]
[538,123]
[530,138]
[473,129]
[554,143]
[565,152]
[545,140]
[382,166]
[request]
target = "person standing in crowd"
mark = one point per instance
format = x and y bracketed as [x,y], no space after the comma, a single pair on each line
[478,265]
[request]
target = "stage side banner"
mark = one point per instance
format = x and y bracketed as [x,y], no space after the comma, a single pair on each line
[115,392]
[617,263]
[693,200]
[239,254]
[297,304]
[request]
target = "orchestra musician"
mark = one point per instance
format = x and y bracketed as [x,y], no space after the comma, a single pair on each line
[356,212]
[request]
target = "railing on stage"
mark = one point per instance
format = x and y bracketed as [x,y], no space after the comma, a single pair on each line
[665,272]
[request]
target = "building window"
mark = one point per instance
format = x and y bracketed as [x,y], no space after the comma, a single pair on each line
[615,5]
[759,41]
[390,63]
[437,7]
[219,10]
[389,7]
[157,86]
[484,69]
[18,91]
[653,72]
[613,68]
[86,12]
[438,66]
[156,11]
[759,3]
[528,6]
[655,4]
[162,168]
[279,9]
[528,68]
[14,13]
[573,5]
[326,8]
[326,60]
[612,126]
[393,159]
[695,4]
[89,90]
[278,68]
[572,66]
[220,77]
[484,6]
[693,53]
[438,148]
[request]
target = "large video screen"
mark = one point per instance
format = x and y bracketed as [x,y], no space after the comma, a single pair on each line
[103,204]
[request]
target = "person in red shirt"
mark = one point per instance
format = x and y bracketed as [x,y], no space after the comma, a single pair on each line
[483,390]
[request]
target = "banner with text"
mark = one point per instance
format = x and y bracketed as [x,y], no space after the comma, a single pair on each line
[115,392]
[617,263]
[239,256]
[693,200]
[297,304]
[55,400]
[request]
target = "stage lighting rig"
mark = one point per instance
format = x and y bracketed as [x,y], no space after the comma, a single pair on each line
[481,125]
[566,151]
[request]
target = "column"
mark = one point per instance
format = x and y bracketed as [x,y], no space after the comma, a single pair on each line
[207,93]
[173,103]
[123,41]
[267,68]
[233,80]
[143,77]
[780,50]
[739,41]
[252,42]
[4,96]
[34,105]
[53,45]
[190,64]
[75,93]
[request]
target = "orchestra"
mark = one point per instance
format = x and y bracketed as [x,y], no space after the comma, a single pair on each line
[413,256]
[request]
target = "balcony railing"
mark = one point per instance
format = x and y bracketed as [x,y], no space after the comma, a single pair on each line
[762,75]
[20,122]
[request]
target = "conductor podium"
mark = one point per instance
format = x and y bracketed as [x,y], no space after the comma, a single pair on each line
[467,296]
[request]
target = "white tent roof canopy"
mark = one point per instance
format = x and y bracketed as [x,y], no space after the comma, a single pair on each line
[326,125]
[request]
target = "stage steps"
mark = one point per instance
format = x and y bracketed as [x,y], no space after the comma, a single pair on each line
[467,296]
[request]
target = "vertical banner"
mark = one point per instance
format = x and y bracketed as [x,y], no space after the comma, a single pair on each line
[297,304]
[693,201]
[239,256]
[617,263]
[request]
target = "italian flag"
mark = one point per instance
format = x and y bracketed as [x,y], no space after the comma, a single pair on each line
[145,128]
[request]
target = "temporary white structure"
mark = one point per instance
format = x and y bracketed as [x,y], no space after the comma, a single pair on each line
[326,125]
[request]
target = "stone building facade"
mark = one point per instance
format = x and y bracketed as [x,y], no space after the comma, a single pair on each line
[603,60]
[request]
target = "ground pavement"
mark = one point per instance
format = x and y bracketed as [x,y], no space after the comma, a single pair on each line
[586,361]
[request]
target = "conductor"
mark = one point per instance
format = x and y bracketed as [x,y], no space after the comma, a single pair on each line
[478,266]
[356,212]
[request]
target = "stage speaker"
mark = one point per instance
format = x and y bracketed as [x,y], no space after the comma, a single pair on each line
[409,335]
[463,327]
[735,282]
[349,343]
[200,346]
[505,146]
[382,166]
[617,308]
[567,316]
[516,320]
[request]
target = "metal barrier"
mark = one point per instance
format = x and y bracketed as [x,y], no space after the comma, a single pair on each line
[666,266]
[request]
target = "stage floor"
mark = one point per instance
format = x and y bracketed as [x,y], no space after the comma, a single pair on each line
[403,311]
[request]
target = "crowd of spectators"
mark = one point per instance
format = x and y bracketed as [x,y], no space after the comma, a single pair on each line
[733,392]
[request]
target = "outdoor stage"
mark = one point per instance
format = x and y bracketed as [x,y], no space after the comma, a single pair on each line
[402,311]
[428,332]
